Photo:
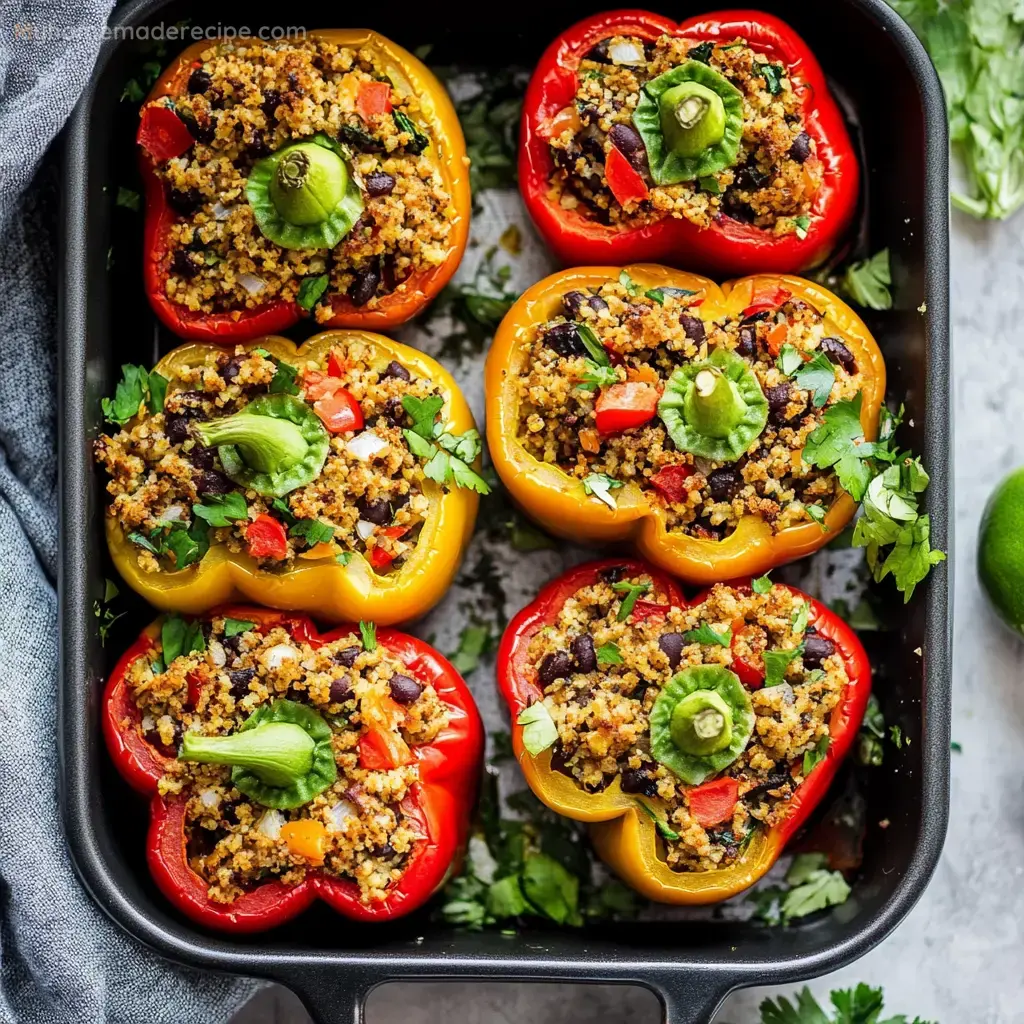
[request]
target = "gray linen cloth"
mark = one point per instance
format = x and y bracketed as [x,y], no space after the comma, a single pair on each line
[61,960]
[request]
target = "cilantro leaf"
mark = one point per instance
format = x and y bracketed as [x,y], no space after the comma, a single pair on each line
[313,531]
[773,75]
[631,591]
[178,637]
[368,633]
[343,557]
[539,730]
[776,663]
[817,514]
[233,627]
[664,829]
[782,1011]
[282,508]
[817,375]
[157,392]
[474,642]
[798,621]
[789,360]
[592,345]
[709,183]
[814,887]
[188,544]
[838,442]
[814,756]
[868,281]
[601,486]
[802,223]
[466,447]
[608,654]
[144,542]
[284,380]
[896,735]
[311,290]
[704,634]
[551,889]
[632,288]
[129,199]
[423,412]
[222,509]
[701,52]
[595,375]
[133,389]
[761,585]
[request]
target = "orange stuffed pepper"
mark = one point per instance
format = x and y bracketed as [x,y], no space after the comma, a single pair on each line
[651,405]
[336,478]
[324,176]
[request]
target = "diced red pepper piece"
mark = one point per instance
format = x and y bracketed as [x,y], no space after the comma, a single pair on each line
[670,482]
[622,406]
[649,610]
[766,296]
[750,676]
[776,338]
[378,556]
[266,538]
[195,688]
[319,385]
[714,801]
[625,181]
[381,749]
[162,134]
[373,98]
[339,411]
[337,364]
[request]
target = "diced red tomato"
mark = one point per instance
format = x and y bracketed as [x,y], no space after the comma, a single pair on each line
[339,411]
[373,98]
[318,384]
[381,746]
[567,117]
[749,675]
[266,538]
[625,181]
[714,801]
[776,338]
[162,134]
[643,610]
[670,482]
[337,364]
[766,296]
[378,556]
[195,688]
[622,406]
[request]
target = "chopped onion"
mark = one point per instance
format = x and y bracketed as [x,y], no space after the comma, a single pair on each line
[365,445]
[148,723]
[217,653]
[220,211]
[365,529]
[270,824]
[384,820]
[339,813]
[786,692]
[173,513]
[209,798]
[279,654]
[626,52]
[251,283]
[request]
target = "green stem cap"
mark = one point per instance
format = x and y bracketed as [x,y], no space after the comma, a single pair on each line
[701,723]
[309,182]
[277,753]
[713,405]
[692,118]
[264,443]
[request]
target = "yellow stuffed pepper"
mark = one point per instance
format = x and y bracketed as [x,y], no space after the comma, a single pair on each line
[652,405]
[336,478]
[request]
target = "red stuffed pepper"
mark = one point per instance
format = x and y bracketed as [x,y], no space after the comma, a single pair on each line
[325,177]
[695,737]
[285,766]
[713,144]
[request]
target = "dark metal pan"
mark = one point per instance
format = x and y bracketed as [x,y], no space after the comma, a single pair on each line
[891,91]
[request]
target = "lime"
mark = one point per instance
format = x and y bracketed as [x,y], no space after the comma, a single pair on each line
[1001,550]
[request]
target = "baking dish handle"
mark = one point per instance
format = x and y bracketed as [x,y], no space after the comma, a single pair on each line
[331,994]
[690,998]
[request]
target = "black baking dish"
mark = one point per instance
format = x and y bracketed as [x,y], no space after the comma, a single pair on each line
[892,91]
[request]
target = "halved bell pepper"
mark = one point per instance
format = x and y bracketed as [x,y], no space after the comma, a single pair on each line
[558,501]
[317,583]
[441,801]
[626,838]
[727,246]
[159,141]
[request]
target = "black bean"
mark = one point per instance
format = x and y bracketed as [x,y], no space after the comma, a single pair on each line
[816,649]
[176,427]
[293,82]
[212,482]
[183,264]
[775,780]
[240,679]
[364,287]
[801,148]
[560,760]
[756,318]
[386,852]
[404,690]
[566,158]
[347,657]
[341,690]
[396,369]
[199,81]
[778,398]
[736,208]
[638,780]
[593,144]
[723,483]
[837,352]
[626,139]
[201,457]
[672,645]
[613,573]
[203,133]
[229,371]
[389,282]
[555,666]
[750,178]
[377,511]
[185,201]
[597,304]
[379,183]
[703,527]
[565,340]
[399,500]
[257,146]
[583,653]
[693,328]
[747,345]
[201,841]
[271,101]
[599,52]
[572,303]
[394,412]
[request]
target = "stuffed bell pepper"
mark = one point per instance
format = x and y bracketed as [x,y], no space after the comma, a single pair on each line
[715,427]
[713,144]
[324,176]
[695,737]
[285,766]
[336,478]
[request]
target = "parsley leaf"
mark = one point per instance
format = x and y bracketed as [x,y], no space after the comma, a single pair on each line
[281,507]
[814,756]
[761,585]
[896,735]
[233,627]
[839,442]
[539,730]
[595,375]
[178,637]
[423,412]
[601,486]
[448,461]
[817,514]
[869,749]
[592,345]
[817,375]
[103,613]
[187,544]
[313,531]
[368,632]
[814,887]
[311,290]
[867,282]
[136,386]
[222,509]
[608,654]
[284,380]
[773,75]
[129,199]
[664,829]
[776,663]
[704,634]
[343,557]
[143,542]
[157,392]
[802,223]
[709,183]
[632,288]
[632,592]
[789,360]
[798,621]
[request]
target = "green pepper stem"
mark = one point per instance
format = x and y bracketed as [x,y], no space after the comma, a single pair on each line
[714,406]
[278,753]
[701,723]
[308,183]
[265,443]
[692,118]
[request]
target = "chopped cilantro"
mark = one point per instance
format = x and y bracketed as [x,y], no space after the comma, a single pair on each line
[474,642]
[839,442]
[284,380]
[511,240]
[869,749]
[701,52]
[313,531]
[860,1005]
[816,513]
[955,747]
[178,637]
[343,557]
[423,412]
[232,627]
[539,730]
[814,756]
[817,375]
[103,613]
[311,290]
[129,199]
[592,345]
[368,632]
[896,735]
[709,183]
[595,376]
[601,486]
[814,887]
[761,585]
[136,386]
[449,460]
[868,281]
[801,223]
[773,75]
[143,542]
[632,288]
[608,654]
[133,92]
[281,507]
[776,662]
[704,634]
[664,829]
[631,591]
[222,509]
[789,360]
[798,621]
[419,140]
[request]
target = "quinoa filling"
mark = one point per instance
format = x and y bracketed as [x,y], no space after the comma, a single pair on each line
[363,827]
[769,181]
[592,392]
[247,101]
[604,675]
[356,488]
